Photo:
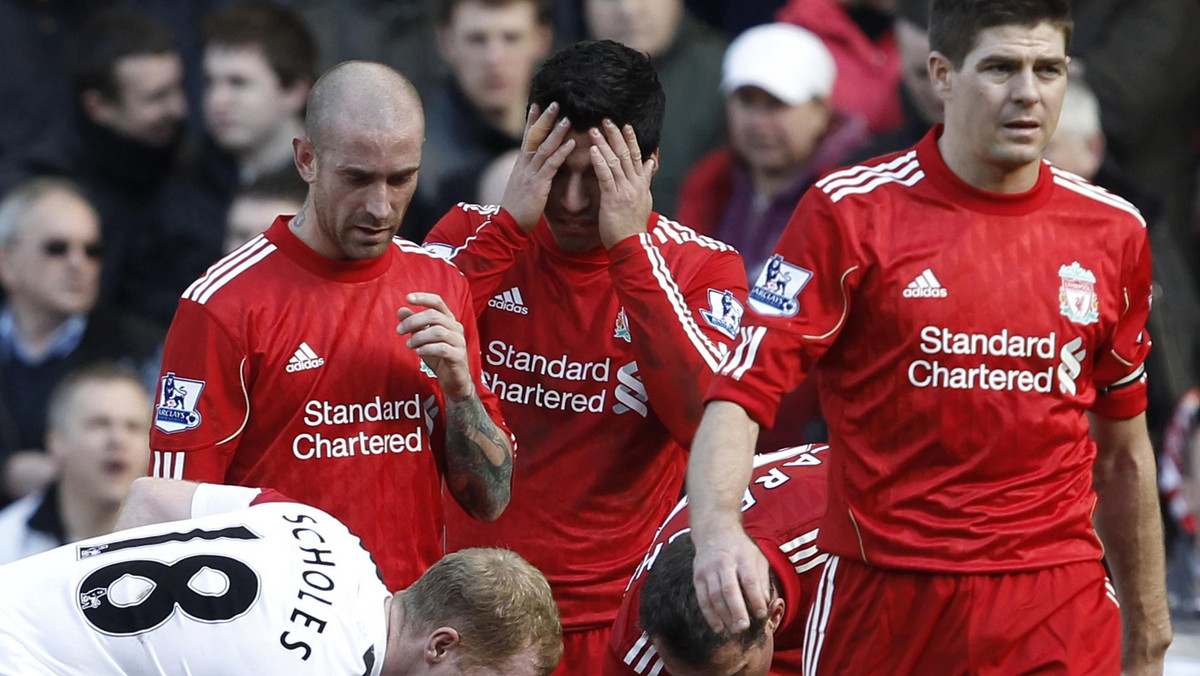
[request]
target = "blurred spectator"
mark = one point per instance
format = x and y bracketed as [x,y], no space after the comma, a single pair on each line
[494,178]
[733,17]
[1078,145]
[129,118]
[258,67]
[492,47]
[687,55]
[859,35]
[399,33]
[50,252]
[1141,61]
[777,79]
[1078,142]
[783,134]
[255,207]
[97,437]
[33,83]
[919,103]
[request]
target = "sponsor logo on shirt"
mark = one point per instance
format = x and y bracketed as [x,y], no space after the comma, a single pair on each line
[329,439]
[724,313]
[630,393]
[176,409]
[621,329]
[925,286]
[778,285]
[510,301]
[1077,299]
[304,359]
[561,379]
[1043,362]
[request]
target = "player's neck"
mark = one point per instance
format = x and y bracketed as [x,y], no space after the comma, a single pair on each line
[989,176]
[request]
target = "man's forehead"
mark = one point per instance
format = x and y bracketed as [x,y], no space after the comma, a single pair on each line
[1043,40]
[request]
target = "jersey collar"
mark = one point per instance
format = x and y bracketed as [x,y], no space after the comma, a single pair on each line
[341,271]
[968,196]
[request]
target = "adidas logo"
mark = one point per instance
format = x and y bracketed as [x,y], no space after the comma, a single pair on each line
[304,359]
[509,300]
[925,286]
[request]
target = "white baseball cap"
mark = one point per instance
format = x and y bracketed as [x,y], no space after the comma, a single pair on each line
[784,60]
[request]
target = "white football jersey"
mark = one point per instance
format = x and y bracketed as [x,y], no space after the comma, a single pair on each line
[278,588]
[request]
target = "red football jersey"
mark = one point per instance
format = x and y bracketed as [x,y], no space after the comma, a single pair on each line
[589,354]
[780,511]
[963,335]
[283,369]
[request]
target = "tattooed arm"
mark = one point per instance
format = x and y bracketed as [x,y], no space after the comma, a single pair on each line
[479,452]
[479,459]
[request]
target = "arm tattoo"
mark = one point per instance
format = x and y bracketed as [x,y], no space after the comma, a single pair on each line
[478,459]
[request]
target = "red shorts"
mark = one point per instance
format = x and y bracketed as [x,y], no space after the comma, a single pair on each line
[866,620]
[584,652]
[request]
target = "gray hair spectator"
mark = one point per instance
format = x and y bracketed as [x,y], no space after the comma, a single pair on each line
[50,248]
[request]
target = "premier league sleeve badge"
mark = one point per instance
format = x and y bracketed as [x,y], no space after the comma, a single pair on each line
[775,292]
[176,409]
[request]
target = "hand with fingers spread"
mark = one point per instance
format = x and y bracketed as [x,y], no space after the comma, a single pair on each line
[728,564]
[544,148]
[435,335]
[624,178]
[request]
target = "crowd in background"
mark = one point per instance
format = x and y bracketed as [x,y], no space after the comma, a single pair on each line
[140,140]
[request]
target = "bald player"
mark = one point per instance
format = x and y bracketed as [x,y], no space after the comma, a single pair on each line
[283,367]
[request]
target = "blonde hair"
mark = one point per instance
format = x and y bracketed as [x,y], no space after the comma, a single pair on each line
[499,603]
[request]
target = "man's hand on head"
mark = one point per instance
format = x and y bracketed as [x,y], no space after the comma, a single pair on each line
[544,148]
[624,178]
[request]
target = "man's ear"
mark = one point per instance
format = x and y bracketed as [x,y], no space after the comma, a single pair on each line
[775,612]
[939,74]
[654,167]
[440,644]
[306,158]
[97,106]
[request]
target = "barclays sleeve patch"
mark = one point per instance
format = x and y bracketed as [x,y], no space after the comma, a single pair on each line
[778,286]
[724,312]
[176,409]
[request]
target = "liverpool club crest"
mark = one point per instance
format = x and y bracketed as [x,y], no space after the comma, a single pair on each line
[621,330]
[1077,297]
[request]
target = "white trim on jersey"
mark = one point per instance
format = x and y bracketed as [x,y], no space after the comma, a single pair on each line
[168,465]
[224,262]
[682,234]
[226,270]
[743,356]
[1111,591]
[649,663]
[488,211]
[818,618]
[804,560]
[712,352]
[1081,185]
[908,176]
[860,172]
